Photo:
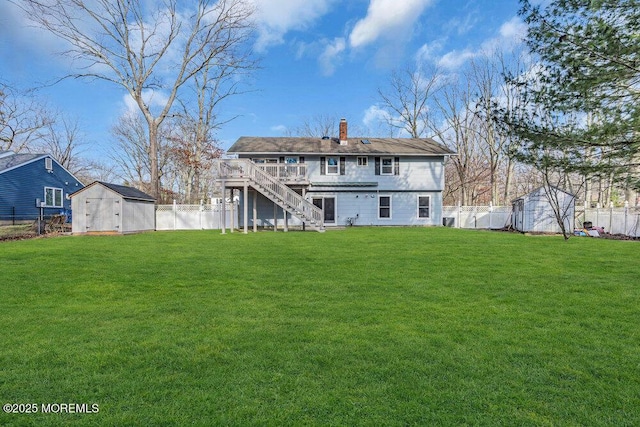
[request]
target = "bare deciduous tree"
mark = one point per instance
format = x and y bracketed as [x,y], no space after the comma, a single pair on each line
[22,119]
[64,140]
[148,47]
[409,99]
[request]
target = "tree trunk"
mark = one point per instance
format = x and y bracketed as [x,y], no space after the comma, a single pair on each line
[153,154]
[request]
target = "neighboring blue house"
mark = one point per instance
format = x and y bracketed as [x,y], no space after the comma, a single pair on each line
[323,182]
[26,179]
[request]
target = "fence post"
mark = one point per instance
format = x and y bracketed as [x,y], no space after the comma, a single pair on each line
[200,213]
[175,214]
[459,219]
[490,214]
[626,213]
[610,216]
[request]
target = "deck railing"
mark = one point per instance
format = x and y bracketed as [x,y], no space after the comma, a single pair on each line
[286,171]
[273,187]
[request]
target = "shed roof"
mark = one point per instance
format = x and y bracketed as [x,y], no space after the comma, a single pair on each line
[541,189]
[123,190]
[361,145]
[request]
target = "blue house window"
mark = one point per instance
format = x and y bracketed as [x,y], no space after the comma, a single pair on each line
[387,166]
[384,207]
[333,165]
[424,206]
[52,197]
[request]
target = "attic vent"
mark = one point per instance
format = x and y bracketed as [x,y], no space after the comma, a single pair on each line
[365,141]
[48,164]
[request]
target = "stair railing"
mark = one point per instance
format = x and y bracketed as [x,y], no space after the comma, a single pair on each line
[239,168]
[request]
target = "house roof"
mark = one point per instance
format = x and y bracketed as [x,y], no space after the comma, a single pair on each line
[354,146]
[126,192]
[9,160]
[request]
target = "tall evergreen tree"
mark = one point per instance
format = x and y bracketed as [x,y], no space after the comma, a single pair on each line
[582,98]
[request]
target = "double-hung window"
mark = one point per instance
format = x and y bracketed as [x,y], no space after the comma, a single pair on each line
[52,197]
[424,206]
[384,207]
[387,166]
[333,165]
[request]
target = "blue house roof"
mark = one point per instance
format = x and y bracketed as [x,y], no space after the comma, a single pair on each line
[9,160]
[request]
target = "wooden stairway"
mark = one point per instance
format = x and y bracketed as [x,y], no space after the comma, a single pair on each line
[273,189]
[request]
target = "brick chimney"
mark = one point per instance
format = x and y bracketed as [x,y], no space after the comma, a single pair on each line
[343,131]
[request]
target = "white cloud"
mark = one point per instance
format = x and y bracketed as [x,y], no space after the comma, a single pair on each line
[455,59]
[428,51]
[462,25]
[387,19]
[330,57]
[376,120]
[274,18]
[510,35]
[374,115]
[154,99]
[514,29]
[281,129]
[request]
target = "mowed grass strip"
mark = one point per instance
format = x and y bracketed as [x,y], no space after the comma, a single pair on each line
[375,326]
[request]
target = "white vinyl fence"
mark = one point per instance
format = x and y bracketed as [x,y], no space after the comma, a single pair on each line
[614,220]
[195,217]
[491,217]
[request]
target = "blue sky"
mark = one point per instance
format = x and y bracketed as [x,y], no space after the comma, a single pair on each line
[318,57]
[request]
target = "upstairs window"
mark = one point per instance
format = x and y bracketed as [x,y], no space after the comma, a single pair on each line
[387,166]
[333,165]
[52,197]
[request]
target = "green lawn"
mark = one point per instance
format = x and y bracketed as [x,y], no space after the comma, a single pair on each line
[384,326]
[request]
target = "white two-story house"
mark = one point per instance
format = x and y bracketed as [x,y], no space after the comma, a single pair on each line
[325,182]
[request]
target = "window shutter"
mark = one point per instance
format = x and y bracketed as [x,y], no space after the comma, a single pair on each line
[343,161]
[377,165]
[396,166]
[323,165]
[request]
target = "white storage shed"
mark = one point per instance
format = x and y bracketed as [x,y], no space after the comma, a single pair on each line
[534,212]
[101,207]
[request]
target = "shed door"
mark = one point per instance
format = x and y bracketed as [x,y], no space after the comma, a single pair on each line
[103,214]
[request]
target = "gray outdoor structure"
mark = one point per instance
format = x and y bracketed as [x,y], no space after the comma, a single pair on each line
[534,212]
[101,207]
[325,182]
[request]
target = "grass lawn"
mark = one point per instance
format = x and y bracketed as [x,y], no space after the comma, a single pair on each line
[383,326]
